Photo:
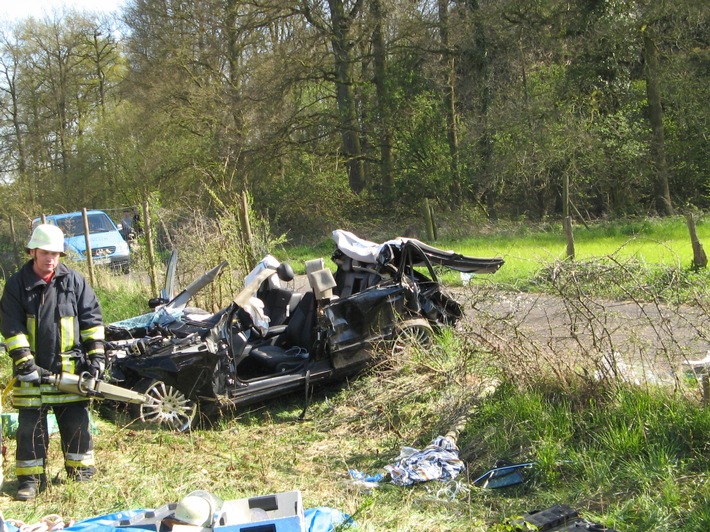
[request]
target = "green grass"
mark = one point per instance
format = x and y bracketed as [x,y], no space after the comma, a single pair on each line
[631,458]
[632,455]
[656,242]
[645,260]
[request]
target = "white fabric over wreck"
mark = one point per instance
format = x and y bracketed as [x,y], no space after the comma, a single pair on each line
[355,247]
[255,308]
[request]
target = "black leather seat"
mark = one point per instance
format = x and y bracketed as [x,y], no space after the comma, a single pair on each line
[279,303]
[352,276]
[292,347]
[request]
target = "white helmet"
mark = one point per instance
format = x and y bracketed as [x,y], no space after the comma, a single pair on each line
[195,509]
[48,237]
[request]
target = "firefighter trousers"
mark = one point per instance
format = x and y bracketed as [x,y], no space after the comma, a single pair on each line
[33,440]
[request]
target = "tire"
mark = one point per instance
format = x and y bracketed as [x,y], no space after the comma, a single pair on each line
[412,333]
[167,406]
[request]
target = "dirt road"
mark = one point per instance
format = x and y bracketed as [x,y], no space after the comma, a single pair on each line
[648,341]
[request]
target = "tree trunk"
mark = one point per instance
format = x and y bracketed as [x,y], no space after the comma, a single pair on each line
[340,39]
[100,75]
[383,101]
[448,64]
[664,205]
[232,151]
[10,73]
[480,75]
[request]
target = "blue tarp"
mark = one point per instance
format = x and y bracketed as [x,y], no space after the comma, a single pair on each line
[319,519]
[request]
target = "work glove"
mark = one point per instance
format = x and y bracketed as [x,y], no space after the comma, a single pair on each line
[28,371]
[97,366]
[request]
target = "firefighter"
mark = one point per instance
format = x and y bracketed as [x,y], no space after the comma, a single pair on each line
[52,323]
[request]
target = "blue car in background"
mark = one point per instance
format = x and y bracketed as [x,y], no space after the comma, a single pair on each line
[108,247]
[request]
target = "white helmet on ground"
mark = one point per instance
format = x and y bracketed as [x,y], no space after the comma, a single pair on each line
[197,508]
[47,237]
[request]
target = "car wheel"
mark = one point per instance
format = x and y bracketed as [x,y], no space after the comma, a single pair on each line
[166,406]
[412,333]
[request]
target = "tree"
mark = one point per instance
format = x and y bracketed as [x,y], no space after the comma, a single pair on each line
[338,27]
[384,111]
[489,104]
[449,73]
[663,202]
[58,72]
[14,156]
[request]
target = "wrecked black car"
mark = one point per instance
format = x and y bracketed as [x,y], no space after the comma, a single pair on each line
[272,339]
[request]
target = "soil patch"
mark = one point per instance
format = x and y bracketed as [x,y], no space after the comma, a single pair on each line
[655,339]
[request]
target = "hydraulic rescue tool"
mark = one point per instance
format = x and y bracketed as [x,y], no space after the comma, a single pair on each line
[86,385]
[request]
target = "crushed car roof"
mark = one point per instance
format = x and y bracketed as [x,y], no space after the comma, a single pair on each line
[370,252]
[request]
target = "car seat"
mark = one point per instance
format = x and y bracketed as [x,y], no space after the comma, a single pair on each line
[279,304]
[287,349]
[291,347]
[354,276]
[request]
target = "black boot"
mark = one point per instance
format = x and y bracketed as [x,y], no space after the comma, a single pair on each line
[81,474]
[28,489]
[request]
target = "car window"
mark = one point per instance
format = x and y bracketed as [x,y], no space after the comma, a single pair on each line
[100,223]
[74,225]
[71,226]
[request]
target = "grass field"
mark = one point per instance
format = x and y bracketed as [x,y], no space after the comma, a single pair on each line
[527,250]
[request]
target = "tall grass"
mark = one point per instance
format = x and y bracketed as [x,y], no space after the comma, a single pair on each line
[631,458]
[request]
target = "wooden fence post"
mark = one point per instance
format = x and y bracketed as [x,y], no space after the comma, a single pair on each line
[148,228]
[247,236]
[700,260]
[428,220]
[87,239]
[15,249]
[567,223]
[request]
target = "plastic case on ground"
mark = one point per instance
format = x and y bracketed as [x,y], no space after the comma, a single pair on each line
[278,512]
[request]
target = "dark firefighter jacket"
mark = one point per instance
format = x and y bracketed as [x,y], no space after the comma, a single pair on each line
[59,323]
